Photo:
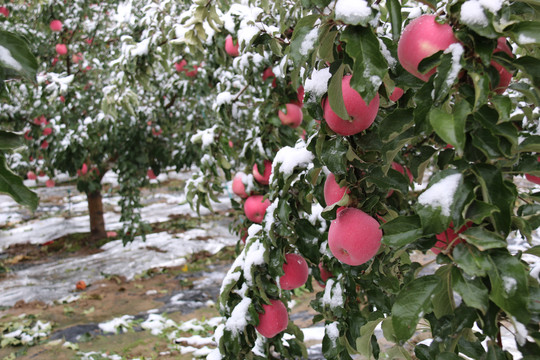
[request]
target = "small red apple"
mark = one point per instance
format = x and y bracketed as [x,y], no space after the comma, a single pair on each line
[49,183]
[62,98]
[193,72]
[268,73]
[447,237]
[292,117]
[84,169]
[4,11]
[150,174]
[300,96]
[273,320]
[332,191]
[398,167]
[505,76]
[80,285]
[179,66]
[354,236]
[230,47]
[61,49]
[263,179]
[420,39]
[325,274]
[27,135]
[362,115]
[396,94]
[56,25]
[255,208]
[47,131]
[296,272]
[31,175]
[238,186]
[44,144]
[55,60]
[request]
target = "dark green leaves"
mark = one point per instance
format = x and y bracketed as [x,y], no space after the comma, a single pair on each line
[9,140]
[394,13]
[526,32]
[19,59]
[412,302]
[451,127]
[483,239]
[301,31]
[370,66]
[401,231]
[472,290]
[335,94]
[12,185]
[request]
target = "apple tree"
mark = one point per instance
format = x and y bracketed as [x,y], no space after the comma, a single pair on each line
[425,117]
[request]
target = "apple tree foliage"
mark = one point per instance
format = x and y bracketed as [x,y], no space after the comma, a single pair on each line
[470,291]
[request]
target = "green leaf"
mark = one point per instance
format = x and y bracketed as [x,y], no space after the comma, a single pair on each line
[481,89]
[401,231]
[534,251]
[335,94]
[13,186]
[526,32]
[530,144]
[21,60]
[396,352]
[412,302]
[334,155]
[479,210]
[472,290]
[388,330]
[446,77]
[443,300]
[394,11]
[509,285]
[301,30]
[396,123]
[503,105]
[363,343]
[370,66]
[10,140]
[451,127]
[531,68]
[483,239]
[471,260]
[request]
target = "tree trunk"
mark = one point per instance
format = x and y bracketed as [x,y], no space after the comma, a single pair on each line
[95,210]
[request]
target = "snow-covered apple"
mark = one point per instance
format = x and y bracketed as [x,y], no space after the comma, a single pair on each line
[421,38]
[292,116]
[362,115]
[354,237]
[332,191]
[255,208]
[263,179]
[56,25]
[273,320]
[296,272]
[231,46]
[61,49]
[238,186]
[505,76]
[449,238]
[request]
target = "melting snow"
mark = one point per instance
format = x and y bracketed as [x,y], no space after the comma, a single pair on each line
[441,194]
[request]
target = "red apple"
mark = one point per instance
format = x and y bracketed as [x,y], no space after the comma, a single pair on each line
[49,183]
[325,274]
[354,237]
[230,47]
[332,191]
[56,25]
[273,320]
[362,115]
[263,179]
[396,94]
[504,75]
[76,58]
[61,49]
[255,208]
[47,131]
[4,11]
[398,167]
[27,135]
[268,73]
[84,169]
[150,174]
[238,186]
[179,66]
[31,175]
[293,116]
[62,98]
[420,39]
[44,144]
[193,72]
[296,272]
[448,237]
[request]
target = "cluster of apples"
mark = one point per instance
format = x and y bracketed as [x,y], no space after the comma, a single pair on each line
[255,205]
[180,67]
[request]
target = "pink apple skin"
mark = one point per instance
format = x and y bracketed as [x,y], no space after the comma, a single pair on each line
[362,114]
[47,131]
[49,183]
[325,274]
[263,179]
[4,11]
[268,73]
[396,94]
[505,76]
[300,96]
[31,175]
[447,237]
[398,167]
[56,25]
[193,72]
[332,191]
[150,174]
[84,169]
[179,66]
[255,208]
[296,272]
[230,47]
[293,117]
[420,39]
[354,237]
[61,49]
[238,186]
[273,320]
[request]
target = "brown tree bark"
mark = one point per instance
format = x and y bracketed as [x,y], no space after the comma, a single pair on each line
[95,210]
